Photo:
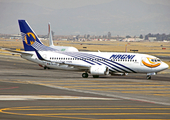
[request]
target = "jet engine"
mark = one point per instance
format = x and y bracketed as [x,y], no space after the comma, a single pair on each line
[99,70]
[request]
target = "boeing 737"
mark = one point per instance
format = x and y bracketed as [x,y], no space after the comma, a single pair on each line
[60,48]
[93,63]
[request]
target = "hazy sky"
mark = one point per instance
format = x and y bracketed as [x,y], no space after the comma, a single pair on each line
[60,4]
[123,17]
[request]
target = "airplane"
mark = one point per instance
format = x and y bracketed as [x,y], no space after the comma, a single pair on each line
[60,48]
[94,63]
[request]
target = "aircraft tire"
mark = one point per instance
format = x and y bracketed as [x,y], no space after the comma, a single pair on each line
[85,75]
[95,76]
[148,77]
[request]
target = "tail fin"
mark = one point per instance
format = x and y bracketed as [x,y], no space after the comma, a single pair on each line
[50,35]
[28,35]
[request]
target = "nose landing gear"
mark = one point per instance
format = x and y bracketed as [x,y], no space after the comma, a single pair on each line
[148,77]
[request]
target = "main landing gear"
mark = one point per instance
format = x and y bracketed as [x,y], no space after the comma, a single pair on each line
[95,76]
[46,68]
[85,75]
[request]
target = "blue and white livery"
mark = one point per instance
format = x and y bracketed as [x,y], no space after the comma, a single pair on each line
[94,63]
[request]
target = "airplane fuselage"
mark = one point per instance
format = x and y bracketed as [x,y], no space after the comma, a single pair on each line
[116,62]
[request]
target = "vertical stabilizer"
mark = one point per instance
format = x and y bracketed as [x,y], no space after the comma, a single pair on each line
[50,35]
[28,35]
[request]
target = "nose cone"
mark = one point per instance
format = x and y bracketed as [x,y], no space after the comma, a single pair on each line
[165,66]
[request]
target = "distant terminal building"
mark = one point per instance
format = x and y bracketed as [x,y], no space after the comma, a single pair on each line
[15,37]
[151,39]
[136,39]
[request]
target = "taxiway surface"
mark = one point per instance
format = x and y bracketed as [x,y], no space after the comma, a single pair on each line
[29,92]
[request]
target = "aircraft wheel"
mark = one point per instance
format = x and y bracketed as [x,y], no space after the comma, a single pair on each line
[85,75]
[148,77]
[95,76]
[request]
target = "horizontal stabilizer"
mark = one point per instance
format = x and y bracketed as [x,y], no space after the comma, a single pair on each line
[7,49]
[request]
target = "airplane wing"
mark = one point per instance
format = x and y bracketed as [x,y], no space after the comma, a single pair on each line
[14,51]
[63,63]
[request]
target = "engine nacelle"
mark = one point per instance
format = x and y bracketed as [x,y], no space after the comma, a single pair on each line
[99,70]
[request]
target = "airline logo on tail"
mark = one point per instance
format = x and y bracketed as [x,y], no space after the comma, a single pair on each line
[29,38]
[150,62]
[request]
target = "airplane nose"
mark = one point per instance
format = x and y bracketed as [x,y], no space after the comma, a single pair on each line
[165,66]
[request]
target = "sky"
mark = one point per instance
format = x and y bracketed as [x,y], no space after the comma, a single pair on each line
[74,24]
[61,4]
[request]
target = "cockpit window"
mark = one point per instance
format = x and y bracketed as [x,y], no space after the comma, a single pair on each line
[152,60]
[156,60]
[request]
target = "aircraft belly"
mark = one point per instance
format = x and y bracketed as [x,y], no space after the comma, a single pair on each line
[62,67]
